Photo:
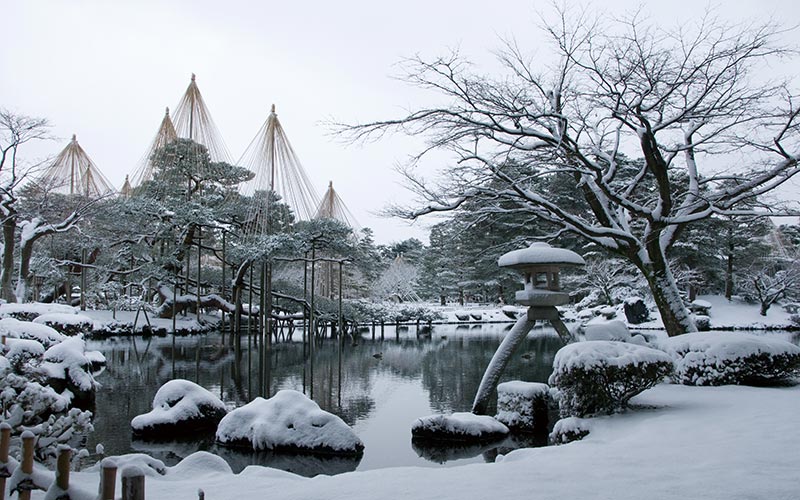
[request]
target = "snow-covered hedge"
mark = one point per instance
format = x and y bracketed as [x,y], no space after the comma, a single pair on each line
[523,405]
[288,421]
[45,335]
[716,358]
[179,407]
[68,367]
[32,310]
[68,324]
[458,427]
[597,377]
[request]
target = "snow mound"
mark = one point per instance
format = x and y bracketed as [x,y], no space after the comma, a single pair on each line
[43,334]
[598,353]
[68,324]
[715,358]
[458,426]
[179,407]
[287,421]
[201,464]
[149,465]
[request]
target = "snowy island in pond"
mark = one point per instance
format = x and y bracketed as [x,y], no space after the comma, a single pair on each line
[459,426]
[180,407]
[288,421]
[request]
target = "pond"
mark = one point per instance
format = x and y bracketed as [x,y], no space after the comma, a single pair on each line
[377,386]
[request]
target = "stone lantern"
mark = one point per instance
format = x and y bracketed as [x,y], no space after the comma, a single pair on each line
[540,265]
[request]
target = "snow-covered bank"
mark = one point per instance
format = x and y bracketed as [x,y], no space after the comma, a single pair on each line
[681,442]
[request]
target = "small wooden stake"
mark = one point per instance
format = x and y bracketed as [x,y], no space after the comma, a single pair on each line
[27,461]
[5,439]
[108,479]
[62,468]
[132,483]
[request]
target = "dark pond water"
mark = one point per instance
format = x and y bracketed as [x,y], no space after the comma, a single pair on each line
[377,386]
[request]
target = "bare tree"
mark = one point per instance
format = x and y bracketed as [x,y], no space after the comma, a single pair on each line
[690,103]
[15,131]
[767,285]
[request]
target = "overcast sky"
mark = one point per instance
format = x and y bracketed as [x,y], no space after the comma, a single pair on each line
[105,70]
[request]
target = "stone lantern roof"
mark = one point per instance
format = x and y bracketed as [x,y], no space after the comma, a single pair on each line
[540,265]
[540,253]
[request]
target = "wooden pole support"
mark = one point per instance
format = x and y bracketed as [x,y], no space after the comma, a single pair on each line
[108,479]
[62,467]
[132,483]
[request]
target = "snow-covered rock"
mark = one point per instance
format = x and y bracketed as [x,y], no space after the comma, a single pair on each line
[179,407]
[601,376]
[459,427]
[718,358]
[599,329]
[288,421]
[570,429]
[45,335]
[523,405]
[68,324]
[635,310]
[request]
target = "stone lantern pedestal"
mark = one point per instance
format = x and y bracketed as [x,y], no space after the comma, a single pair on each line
[539,265]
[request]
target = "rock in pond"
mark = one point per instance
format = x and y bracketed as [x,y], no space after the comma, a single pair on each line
[180,408]
[288,421]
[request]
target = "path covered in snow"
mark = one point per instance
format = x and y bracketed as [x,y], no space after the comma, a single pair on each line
[680,442]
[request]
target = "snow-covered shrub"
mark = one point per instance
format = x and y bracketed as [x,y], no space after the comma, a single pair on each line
[458,427]
[288,421]
[523,405]
[570,429]
[600,376]
[716,358]
[20,353]
[45,335]
[67,324]
[67,367]
[179,407]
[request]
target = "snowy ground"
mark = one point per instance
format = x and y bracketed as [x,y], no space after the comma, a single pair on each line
[680,443]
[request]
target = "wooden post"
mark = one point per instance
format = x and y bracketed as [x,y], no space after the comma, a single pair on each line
[199,257]
[27,463]
[83,279]
[108,479]
[5,440]
[223,285]
[62,467]
[132,483]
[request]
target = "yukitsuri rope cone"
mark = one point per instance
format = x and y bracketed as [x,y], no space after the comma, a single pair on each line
[73,172]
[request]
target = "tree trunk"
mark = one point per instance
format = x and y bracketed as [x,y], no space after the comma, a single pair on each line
[24,278]
[665,292]
[9,231]
[729,270]
[764,308]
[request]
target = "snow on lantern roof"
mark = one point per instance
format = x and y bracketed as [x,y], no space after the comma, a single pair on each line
[539,253]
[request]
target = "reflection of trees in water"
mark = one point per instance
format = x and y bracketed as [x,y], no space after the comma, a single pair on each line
[449,364]
[453,372]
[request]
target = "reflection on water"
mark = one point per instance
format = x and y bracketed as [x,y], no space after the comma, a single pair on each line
[377,386]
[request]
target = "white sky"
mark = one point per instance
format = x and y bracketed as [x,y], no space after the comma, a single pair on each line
[105,70]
